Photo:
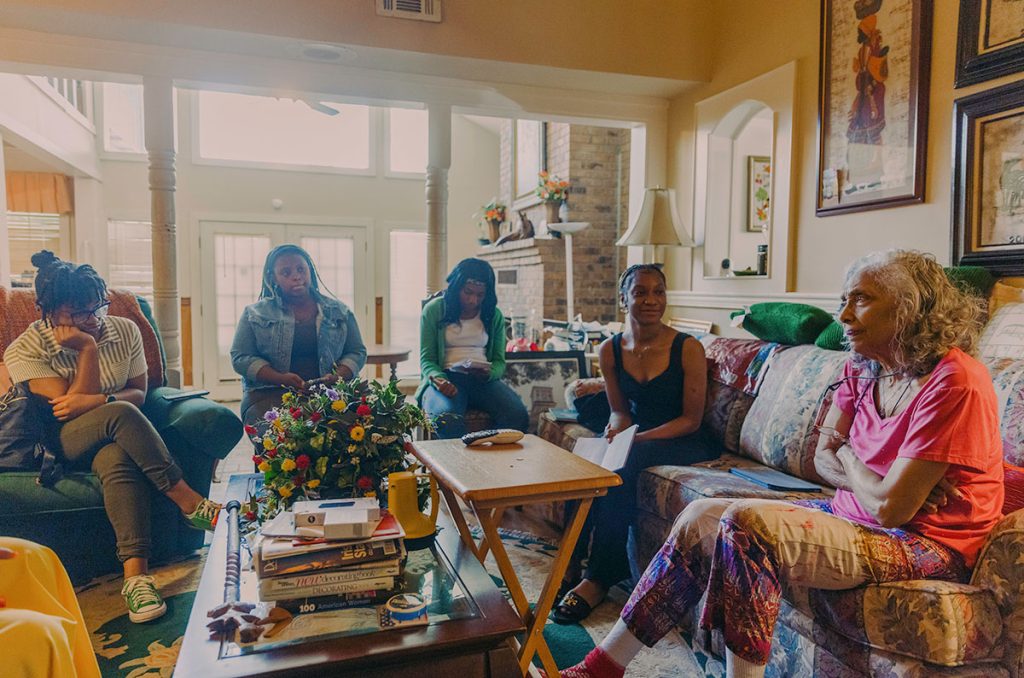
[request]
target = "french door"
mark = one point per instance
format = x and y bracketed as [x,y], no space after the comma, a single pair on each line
[232,256]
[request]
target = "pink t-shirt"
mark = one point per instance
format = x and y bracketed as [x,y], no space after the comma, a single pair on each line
[953,419]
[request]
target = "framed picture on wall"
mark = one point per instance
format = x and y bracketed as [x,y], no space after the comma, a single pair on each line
[530,137]
[990,40]
[872,104]
[540,378]
[988,180]
[759,193]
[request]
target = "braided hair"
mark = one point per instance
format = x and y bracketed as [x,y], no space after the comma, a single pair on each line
[630,274]
[60,283]
[467,270]
[269,288]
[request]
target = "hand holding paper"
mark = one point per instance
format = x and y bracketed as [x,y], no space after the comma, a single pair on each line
[612,454]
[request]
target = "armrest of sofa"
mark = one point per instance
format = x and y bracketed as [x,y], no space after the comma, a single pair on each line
[195,423]
[999,570]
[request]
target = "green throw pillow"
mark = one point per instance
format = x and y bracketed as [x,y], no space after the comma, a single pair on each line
[831,337]
[974,279]
[784,322]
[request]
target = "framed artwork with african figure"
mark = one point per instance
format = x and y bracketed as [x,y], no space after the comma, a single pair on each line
[990,40]
[872,104]
[988,180]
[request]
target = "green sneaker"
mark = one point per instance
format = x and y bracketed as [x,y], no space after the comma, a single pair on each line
[143,600]
[205,515]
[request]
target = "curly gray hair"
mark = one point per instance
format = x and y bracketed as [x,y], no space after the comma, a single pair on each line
[932,314]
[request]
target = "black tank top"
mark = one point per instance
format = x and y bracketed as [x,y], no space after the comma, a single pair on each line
[659,400]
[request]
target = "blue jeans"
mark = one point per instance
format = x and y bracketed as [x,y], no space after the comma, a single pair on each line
[493,397]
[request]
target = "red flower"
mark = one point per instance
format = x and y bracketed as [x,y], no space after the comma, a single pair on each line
[256,458]
[295,412]
[249,430]
[302,462]
[363,411]
[363,399]
[365,483]
[250,515]
[271,454]
[298,480]
[315,417]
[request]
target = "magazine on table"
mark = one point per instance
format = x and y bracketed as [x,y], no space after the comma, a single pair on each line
[610,455]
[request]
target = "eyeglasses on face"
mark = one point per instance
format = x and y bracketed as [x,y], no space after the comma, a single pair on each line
[98,311]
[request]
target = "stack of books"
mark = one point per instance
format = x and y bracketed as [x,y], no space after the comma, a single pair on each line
[303,574]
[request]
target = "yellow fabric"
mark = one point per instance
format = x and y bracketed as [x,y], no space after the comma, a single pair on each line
[42,632]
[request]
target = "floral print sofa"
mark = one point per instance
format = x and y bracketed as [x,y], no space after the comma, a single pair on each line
[905,629]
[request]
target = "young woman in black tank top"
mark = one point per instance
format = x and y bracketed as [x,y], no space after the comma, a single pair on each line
[655,377]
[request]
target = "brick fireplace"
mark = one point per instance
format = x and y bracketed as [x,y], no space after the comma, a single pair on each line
[531,273]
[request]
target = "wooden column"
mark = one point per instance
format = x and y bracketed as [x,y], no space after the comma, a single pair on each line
[5,255]
[158,94]
[439,161]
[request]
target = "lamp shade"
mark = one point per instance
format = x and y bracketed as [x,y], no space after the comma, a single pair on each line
[658,222]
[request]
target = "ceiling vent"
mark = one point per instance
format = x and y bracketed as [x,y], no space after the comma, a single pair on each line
[420,10]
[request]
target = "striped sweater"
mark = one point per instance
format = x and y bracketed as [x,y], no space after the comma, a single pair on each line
[35,354]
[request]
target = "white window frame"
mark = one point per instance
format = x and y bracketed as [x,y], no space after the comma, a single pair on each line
[198,159]
[382,276]
[385,147]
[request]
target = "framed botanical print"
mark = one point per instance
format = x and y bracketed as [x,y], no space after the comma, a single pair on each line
[990,40]
[872,104]
[530,157]
[759,193]
[988,180]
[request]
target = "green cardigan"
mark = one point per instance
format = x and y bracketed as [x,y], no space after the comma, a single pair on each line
[432,344]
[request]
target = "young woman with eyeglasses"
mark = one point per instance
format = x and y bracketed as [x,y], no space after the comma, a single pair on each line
[91,369]
[914,452]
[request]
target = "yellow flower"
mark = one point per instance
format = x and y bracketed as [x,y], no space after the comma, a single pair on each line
[370,494]
[268,444]
[357,433]
[352,449]
[288,465]
[313,484]
[278,424]
[285,491]
[264,466]
[287,397]
[339,405]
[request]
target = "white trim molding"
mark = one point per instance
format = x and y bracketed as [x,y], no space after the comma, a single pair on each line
[686,299]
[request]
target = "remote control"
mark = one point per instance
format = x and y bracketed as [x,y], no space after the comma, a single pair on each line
[496,436]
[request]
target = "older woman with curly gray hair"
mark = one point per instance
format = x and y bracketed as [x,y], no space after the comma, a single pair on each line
[911,442]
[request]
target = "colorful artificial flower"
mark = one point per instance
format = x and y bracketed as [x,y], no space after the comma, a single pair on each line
[287,397]
[288,465]
[313,484]
[339,405]
[302,462]
[285,491]
[357,433]
[271,454]
[315,417]
[363,410]
[249,430]
[364,482]
[264,466]
[268,444]
[256,458]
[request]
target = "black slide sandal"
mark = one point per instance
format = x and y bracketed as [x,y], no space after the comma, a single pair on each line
[572,610]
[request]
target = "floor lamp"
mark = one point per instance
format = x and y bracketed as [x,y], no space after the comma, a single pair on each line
[657,223]
[567,228]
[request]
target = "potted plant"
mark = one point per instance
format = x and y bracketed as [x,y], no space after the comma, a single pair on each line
[553,192]
[493,216]
[332,442]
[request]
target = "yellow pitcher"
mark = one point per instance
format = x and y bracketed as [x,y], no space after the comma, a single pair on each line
[403,505]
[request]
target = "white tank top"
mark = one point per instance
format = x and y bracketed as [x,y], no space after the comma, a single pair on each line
[466,340]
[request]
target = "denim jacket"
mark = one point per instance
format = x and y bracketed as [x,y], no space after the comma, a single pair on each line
[266,331]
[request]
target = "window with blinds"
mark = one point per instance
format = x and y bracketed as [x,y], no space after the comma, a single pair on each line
[29,232]
[130,256]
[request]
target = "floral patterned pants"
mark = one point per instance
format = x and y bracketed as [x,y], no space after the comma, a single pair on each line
[742,552]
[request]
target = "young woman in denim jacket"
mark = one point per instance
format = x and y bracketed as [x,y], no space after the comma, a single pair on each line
[293,334]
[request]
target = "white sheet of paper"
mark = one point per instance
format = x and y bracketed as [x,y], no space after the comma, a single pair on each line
[611,456]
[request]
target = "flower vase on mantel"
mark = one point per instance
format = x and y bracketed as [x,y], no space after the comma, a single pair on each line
[552,211]
[494,229]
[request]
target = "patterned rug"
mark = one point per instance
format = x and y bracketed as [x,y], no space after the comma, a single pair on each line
[127,650]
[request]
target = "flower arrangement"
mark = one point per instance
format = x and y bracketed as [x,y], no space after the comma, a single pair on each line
[550,188]
[493,211]
[332,441]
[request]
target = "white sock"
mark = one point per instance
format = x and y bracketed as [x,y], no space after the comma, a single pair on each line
[620,644]
[741,668]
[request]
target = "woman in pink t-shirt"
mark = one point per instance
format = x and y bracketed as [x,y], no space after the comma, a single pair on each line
[911,442]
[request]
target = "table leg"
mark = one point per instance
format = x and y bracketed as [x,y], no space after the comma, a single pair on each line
[394,371]
[495,517]
[460,521]
[535,620]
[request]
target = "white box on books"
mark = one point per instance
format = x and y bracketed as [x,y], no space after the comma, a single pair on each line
[315,512]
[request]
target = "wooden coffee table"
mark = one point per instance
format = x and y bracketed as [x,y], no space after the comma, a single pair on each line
[492,478]
[474,647]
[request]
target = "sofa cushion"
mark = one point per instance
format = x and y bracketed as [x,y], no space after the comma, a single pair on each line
[562,434]
[21,495]
[779,429]
[784,322]
[1008,379]
[1001,337]
[939,622]
[831,337]
[724,413]
[667,490]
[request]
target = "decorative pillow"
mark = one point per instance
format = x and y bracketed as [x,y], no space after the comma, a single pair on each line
[974,279]
[1003,294]
[1013,483]
[831,337]
[1003,336]
[783,322]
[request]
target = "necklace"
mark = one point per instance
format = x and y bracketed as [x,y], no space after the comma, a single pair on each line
[888,408]
[640,351]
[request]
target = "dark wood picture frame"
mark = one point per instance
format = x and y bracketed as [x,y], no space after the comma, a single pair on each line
[970,211]
[974,63]
[918,54]
[540,378]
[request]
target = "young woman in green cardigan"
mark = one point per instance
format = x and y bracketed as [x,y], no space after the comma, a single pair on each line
[462,354]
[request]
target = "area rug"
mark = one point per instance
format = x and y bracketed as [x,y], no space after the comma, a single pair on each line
[127,650]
